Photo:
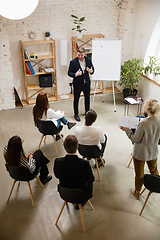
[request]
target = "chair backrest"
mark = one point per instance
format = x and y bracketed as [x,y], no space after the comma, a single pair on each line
[20,174]
[47,127]
[89,151]
[72,195]
[152,182]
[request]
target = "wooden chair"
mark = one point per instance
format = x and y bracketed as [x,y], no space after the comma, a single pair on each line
[152,183]
[75,196]
[22,174]
[130,161]
[48,128]
[93,151]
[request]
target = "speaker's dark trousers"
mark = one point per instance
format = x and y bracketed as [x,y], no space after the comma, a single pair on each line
[77,91]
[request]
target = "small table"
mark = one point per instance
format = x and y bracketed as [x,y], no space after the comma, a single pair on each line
[132,100]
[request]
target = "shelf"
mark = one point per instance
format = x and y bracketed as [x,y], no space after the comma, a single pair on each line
[31,96]
[37,42]
[33,101]
[37,87]
[38,73]
[99,35]
[39,57]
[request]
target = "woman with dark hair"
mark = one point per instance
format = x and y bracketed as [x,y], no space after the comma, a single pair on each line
[15,157]
[145,141]
[42,111]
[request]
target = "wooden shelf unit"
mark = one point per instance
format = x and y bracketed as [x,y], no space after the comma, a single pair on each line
[85,41]
[37,61]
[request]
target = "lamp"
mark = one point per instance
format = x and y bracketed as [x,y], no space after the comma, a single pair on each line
[17,9]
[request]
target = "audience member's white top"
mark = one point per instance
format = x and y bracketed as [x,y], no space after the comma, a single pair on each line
[52,115]
[89,135]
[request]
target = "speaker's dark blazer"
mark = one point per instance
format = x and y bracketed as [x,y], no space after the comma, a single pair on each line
[74,67]
[73,172]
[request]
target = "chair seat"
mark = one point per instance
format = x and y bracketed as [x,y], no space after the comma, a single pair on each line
[152,183]
[48,128]
[22,174]
[73,196]
[91,151]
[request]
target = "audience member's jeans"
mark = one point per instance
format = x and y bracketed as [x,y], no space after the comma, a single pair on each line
[63,120]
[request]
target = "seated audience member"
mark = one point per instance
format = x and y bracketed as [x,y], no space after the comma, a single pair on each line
[42,111]
[15,157]
[91,135]
[72,171]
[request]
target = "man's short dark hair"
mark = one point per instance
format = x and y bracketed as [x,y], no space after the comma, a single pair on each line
[70,144]
[91,117]
[81,49]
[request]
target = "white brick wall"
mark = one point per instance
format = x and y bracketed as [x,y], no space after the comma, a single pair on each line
[7,99]
[118,18]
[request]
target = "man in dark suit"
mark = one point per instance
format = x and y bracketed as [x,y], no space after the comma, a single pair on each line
[72,171]
[79,70]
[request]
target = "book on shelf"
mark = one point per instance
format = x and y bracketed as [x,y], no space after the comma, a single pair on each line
[31,68]
[49,70]
[26,54]
[28,69]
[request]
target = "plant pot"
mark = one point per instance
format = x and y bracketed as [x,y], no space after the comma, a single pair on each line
[149,75]
[157,78]
[48,38]
[79,34]
[129,92]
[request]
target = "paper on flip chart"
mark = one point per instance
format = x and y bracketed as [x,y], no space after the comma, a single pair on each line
[130,122]
[131,100]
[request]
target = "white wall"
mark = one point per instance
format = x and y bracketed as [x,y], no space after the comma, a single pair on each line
[148,90]
[114,19]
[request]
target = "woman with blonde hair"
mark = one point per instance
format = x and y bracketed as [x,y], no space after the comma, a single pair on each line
[145,140]
[42,111]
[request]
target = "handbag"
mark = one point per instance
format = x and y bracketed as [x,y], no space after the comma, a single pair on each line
[45,80]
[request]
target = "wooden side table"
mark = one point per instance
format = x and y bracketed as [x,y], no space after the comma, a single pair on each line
[132,100]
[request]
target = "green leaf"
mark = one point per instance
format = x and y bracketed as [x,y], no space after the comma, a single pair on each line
[82,19]
[74,16]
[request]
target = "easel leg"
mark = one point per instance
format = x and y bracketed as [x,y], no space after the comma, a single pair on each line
[94,94]
[114,96]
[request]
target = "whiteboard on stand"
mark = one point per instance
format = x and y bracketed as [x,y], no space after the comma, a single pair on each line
[106,58]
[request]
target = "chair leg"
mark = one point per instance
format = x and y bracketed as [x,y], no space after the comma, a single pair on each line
[102,161]
[61,137]
[145,203]
[41,141]
[90,204]
[39,182]
[55,145]
[31,194]
[97,169]
[143,191]
[45,138]
[82,219]
[11,190]
[130,162]
[60,212]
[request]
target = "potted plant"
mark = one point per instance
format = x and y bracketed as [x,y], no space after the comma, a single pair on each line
[78,22]
[152,68]
[131,71]
[47,35]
